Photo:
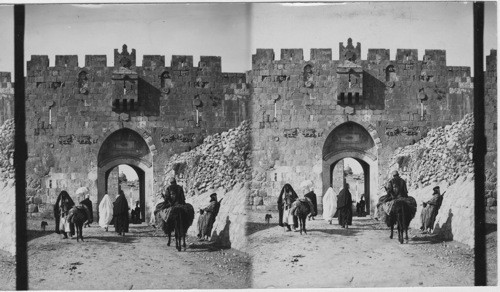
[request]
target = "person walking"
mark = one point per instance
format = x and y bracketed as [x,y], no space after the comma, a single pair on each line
[120,213]
[344,207]
[105,212]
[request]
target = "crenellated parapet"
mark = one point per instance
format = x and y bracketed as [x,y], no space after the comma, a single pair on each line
[126,59]
[491,63]
[180,91]
[321,54]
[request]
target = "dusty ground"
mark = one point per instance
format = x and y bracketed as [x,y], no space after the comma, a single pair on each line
[362,256]
[140,260]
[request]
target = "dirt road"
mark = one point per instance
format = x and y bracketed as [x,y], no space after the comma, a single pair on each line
[140,260]
[361,256]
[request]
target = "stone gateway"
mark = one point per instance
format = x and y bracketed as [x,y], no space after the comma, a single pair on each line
[305,116]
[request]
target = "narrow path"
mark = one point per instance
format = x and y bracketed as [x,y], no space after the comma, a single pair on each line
[140,260]
[361,256]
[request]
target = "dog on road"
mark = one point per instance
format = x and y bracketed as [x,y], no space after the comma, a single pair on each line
[268,217]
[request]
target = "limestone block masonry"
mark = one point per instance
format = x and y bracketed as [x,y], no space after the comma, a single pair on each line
[141,114]
[306,116]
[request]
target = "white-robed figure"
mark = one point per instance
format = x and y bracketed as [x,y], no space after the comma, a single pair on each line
[105,212]
[329,204]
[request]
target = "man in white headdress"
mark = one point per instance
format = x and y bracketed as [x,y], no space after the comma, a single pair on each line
[329,204]
[105,212]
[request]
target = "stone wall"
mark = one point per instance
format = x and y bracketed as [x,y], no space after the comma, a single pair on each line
[296,105]
[72,110]
[305,115]
[7,188]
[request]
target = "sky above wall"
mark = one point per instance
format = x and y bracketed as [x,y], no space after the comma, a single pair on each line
[235,31]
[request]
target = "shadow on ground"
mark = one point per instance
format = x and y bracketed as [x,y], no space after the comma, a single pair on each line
[428,239]
[254,227]
[33,234]
[204,246]
[344,232]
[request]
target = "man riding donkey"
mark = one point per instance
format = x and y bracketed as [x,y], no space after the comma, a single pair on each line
[173,196]
[396,190]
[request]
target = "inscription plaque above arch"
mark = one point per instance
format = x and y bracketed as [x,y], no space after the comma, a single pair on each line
[347,137]
[124,143]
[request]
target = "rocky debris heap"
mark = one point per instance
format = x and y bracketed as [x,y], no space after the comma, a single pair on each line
[7,150]
[221,161]
[445,154]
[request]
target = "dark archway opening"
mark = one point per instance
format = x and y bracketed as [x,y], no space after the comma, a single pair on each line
[129,179]
[351,141]
[356,173]
[126,147]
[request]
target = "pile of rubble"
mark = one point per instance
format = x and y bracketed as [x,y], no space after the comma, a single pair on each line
[221,161]
[7,150]
[445,154]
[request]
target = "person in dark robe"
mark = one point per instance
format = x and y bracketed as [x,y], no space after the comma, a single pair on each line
[430,210]
[396,187]
[207,218]
[63,205]
[88,203]
[136,214]
[285,201]
[120,213]
[360,206]
[344,207]
[174,194]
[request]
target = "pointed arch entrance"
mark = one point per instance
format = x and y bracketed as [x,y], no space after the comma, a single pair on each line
[126,146]
[351,140]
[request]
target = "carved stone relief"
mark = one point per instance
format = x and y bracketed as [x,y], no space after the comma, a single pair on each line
[308,76]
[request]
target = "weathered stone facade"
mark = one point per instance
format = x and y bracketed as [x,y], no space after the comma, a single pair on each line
[82,122]
[308,115]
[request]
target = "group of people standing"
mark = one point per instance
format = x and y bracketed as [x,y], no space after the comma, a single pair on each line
[117,211]
[343,207]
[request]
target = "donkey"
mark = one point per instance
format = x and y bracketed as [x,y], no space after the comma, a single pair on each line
[301,208]
[78,215]
[178,220]
[401,215]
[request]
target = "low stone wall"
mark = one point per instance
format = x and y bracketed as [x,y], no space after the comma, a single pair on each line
[455,220]
[229,227]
